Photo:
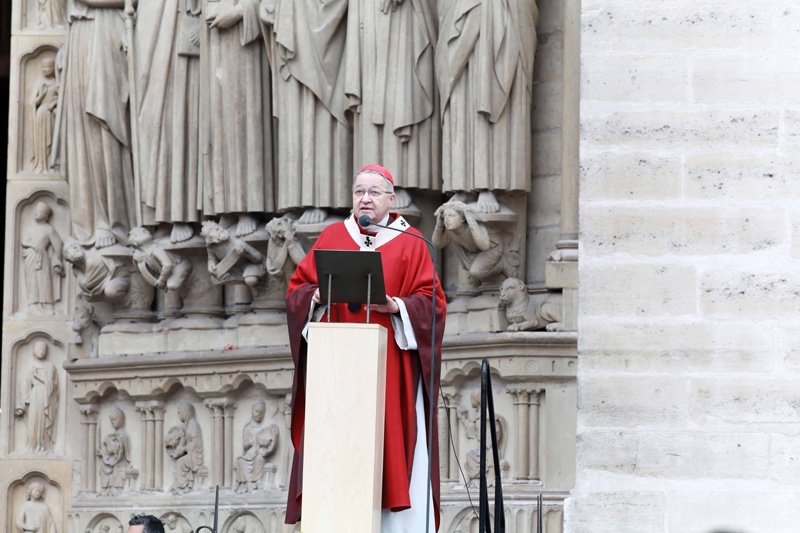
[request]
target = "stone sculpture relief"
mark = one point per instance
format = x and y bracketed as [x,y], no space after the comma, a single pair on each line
[87,330]
[284,251]
[246,523]
[236,135]
[34,515]
[95,123]
[480,249]
[313,138]
[259,440]
[45,100]
[470,417]
[101,275]
[184,444]
[391,90]
[526,312]
[230,258]
[484,71]
[42,256]
[108,524]
[159,268]
[49,14]
[167,89]
[174,523]
[114,451]
[38,401]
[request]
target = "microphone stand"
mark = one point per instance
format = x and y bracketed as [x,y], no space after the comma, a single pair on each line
[364,221]
[216,516]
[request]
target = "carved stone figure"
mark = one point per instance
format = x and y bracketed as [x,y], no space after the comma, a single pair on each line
[306,40]
[471,418]
[175,524]
[484,68]
[45,100]
[231,259]
[50,13]
[184,444]
[523,311]
[95,123]
[34,515]
[236,146]
[284,251]
[100,276]
[114,453]
[38,401]
[480,253]
[86,329]
[41,255]
[167,50]
[259,440]
[392,90]
[157,266]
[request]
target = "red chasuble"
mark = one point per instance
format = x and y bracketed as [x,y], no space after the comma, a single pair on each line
[408,274]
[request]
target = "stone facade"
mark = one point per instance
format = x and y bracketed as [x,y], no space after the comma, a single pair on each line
[688,415]
[145,355]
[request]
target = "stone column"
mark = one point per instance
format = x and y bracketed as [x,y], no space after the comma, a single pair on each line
[521,399]
[157,409]
[89,422]
[570,137]
[533,439]
[444,443]
[228,410]
[148,468]
[452,407]
[217,441]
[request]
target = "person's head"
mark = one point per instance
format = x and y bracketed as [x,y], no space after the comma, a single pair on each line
[42,212]
[40,349]
[511,290]
[145,523]
[259,410]
[453,218]
[373,192]
[73,252]
[116,417]
[139,236]
[213,233]
[172,520]
[48,67]
[185,411]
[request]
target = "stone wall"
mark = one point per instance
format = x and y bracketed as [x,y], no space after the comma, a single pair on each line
[688,412]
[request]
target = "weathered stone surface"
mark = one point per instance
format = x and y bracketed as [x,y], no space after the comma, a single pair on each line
[758,294]
[785,459]
[738,177]
[737,401]
[643,512]
[701,510]
[630,176]
[634,76]
[617,401]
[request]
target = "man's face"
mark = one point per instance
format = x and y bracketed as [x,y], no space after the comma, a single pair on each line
[136,529]
[374,206]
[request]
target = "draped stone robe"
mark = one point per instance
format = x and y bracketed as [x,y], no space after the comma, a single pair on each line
[314,140]
[484,67]
[392,90]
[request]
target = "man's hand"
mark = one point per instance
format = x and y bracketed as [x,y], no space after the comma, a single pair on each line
[316,299]
[389,307]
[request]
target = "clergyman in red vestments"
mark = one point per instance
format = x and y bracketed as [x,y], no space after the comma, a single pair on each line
[408,277]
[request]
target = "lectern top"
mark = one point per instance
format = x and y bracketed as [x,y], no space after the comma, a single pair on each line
[351,273]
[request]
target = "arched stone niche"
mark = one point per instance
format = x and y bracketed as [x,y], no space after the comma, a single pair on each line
[118,447]
[36,396]
[40,289]
[175,523]
[34,79]
[243,522]
[105,523]
[43,17]
[34,500]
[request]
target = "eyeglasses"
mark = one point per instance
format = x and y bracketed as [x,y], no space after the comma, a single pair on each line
[360,193]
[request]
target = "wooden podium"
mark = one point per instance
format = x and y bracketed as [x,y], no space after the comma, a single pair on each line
[343,442]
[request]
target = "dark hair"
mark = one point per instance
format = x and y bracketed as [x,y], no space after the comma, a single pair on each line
[151,523]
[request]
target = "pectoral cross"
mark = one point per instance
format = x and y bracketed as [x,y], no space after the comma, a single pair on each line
[367,242]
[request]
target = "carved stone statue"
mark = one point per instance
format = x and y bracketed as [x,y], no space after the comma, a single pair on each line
[471,418]
[479,251]
[523,311]
[231,259]
[259,440]
[236,141]
[157,266]
[100,277]
[45,100]
[95,123]
[484,70]
[175,524]
[184,444]
[314,140]
[38,401]
[34,515]
[50,13]
[41,254]
[86,329]
[392,90]
[168,59]
[284,251]
[114,453]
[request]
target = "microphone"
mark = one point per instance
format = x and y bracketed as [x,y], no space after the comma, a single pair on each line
[364,221]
